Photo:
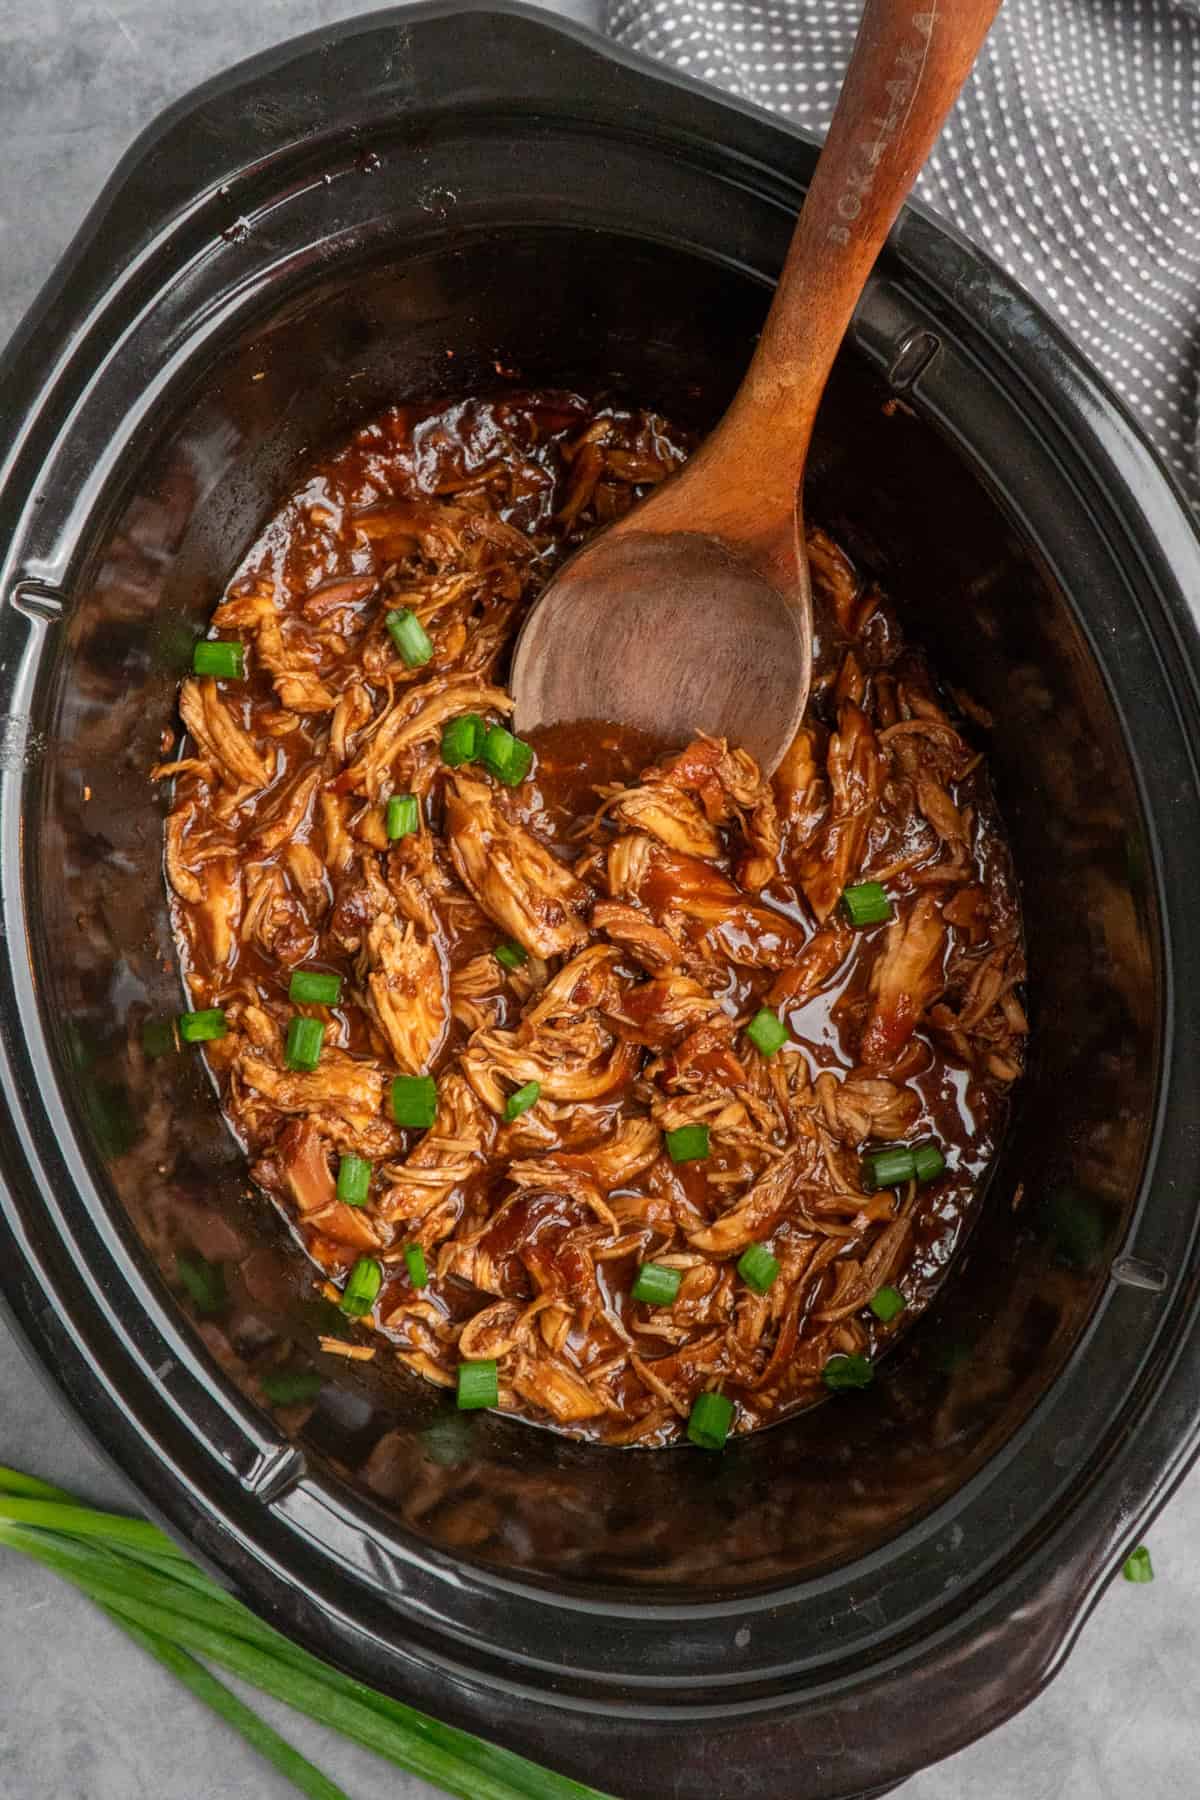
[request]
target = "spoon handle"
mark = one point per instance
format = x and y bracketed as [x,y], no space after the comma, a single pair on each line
[909,62]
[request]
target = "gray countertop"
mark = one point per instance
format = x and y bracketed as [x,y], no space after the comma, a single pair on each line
[83,1714]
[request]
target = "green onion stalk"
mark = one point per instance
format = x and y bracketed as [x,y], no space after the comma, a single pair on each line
[148,1587]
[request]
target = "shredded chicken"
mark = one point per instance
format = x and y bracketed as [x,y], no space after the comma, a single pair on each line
[608,1014]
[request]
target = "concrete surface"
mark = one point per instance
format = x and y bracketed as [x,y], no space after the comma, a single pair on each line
[83,1714]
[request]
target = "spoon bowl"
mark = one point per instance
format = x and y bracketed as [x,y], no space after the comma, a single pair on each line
[614,638]
[694,612]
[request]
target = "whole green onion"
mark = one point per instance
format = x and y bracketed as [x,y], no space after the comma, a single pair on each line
[147,1586]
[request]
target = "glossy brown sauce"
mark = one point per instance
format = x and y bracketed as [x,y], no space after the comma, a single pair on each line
[533,1230]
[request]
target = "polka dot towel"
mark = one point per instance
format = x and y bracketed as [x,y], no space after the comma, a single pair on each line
[1073,157]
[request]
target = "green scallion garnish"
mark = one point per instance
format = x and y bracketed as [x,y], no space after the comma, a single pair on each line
[410,637]
[1138,1566]
[204,1281]
[866,904]
[656,1286]
[511,956]
[689,1143]
[312,987]
[928,1162]
[887,1304]
[767,1032]
[462,739]
[414,1101]
[414,1262]
[522,1100]
[362,1287]
[302,1050]
[478,1386]
[758,1268]
[220,657]
[888,1168]
[202,1027]
[403,815]
[709,1421]
[353,1179]
[508,758]
[848,1372]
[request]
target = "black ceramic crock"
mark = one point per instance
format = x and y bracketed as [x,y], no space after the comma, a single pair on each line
[449,198]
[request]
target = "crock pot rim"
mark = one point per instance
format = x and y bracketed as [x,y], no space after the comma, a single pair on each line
[920,244]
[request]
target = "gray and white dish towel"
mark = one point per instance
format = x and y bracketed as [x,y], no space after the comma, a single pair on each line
[1072,157]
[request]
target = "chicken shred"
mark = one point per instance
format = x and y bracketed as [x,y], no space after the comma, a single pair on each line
[581,978]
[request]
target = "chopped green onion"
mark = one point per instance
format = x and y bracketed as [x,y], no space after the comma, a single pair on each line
[767,1031]
[462,739]
[223,659]
[888,1168]
[887,1304]
[308,987]
[410,637]
[866,904]
[414,1101]
[478,1385]
[689,1143]
[511,956]
[353,1179]
[362,1288]
[158,1037]
[414,1262]
[758,1268]
[928,1162]
[655,1285]
[202,1027]
[302,1051]
[509,758]
[204,1281]
[1138,1566]
[288,1387]
[848,1372]
[522,1100]
[709,1421]
[403,815]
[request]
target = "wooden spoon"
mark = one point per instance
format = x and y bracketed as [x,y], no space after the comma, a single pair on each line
[694,612]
